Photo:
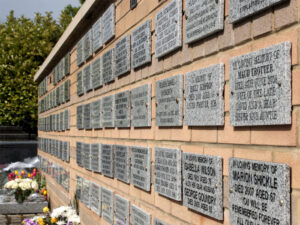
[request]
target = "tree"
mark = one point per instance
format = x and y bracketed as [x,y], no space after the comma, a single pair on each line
[67,14]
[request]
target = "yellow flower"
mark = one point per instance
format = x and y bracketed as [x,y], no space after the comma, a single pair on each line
[54,220]
[41,221]
[29,175]
[45,192]
[16,172]
[46,210]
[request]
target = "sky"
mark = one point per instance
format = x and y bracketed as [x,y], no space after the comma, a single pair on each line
[29,7]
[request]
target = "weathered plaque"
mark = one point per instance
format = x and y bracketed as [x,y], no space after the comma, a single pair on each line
[66,119]
[121,210]
[66,151]
[97,37]
[67,90]
[79,52]
[79,118]
[122,109]
[202,18]
[61,93]
[108,24]
[57,96]
[87,80]
[84,196]
[204,100]
[141,45]
[96,111]
[259,192]
[78,187]
[139,216]
[159,222]
[107,108]
[67,63]
[79,150]
[107,205]
[239,9]
[87,116]
[108,66]
[88,44]
[141,167]
[167,170]
[87,156]
[95,198]
[61,121]
[169,101]
[96,73]
[168,26]
[107,160]
[260,87]
[141,106]
[122,56]
[95,160]
[79,83]
[203,184]
[122,163]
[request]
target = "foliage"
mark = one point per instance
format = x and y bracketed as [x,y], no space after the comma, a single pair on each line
[67,14]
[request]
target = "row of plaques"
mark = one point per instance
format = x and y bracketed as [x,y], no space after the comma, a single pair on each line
[43,87]
[55,122]
[57,148]
[62,69]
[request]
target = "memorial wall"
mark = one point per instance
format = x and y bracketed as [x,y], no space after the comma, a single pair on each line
[175,112]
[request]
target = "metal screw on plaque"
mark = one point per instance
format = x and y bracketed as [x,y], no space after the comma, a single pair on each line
[156,103]
[217,1]
[279,84]
[186,16]
[217,94]
[111,109]
[232,93]
[230,190]
[281,202]
[216,186]
[146,168]
[132,106]
[177,100]
[146,104]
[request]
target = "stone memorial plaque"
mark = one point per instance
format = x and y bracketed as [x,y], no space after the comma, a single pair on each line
[204,100]
[80,83]
[95,199]
[66,119]
[84,196]
[62,93]
[203,184]
[57,122]
[95,148]
[65,151]
[107,160]
[159,222]
[87,80]
[67,64]
[79,52]
[108,111]
[107,198]
[79,150]
[67,90]
[57,96]
[97,37]
[122,56]
[96,111]
[121,210]
[78,187]
[108,24]
[96,73]
[133,4]
[260,87]
[259,192]
[169,101]
[108,66]
[141,45]
[167,170]
[88,44]
[141,106]
[239,9]
[61,121]
[139,216]
[122,163]
[87,116]
[141,167]
[202,18]
[122,109]
[79,118]
[168,26]
[87,164]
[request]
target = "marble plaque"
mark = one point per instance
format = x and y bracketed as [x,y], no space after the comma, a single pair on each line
[141,167]
[95,198]
[159,222]
[260,87]
[96,73]
[122,56]
[122,163]
[167,170]
[169,101]
[87,158]
[79,150]
[97,37]
[107,160]
[80,83]
[108,111]
[139,216]
[96,163]
[203,184]
[87,79]
[108,24]
[108,66]
[168,26]
[79,51]
[239,9]
[141,45]
[202,18]
[121,210]
[79,117]
[87,116]
[96,111]
[88,44]
[107,205]
[78,187]
[84,196]
[204,100]
[122,109]
[141,106]
[259,192]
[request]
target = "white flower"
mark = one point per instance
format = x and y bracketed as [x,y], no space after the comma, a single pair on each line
[15,185]
[60,222]
[25,185]
[34,185]
[74,219]
[18,180]
[9,184]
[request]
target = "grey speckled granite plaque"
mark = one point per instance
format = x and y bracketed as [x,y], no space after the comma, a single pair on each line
[79,150]
[259,192]
[202,18]
[203,184]
[107,205]
[169,101]
[167,170]
[107,160]
[97,37]
[121,210]
[79,83]
[96,114]
[122,109]
[79,50]
[141,45]
[260,87]
[139,216]
[95,199]
[78,187]
[122,56]
[168,28]
[95,160]
[108,111]
[107,64]
[122,163]
[88,44]
[141,106]
[204,100]
[159,222]
[79,117]
[141,167]
[96,73]
[87,116]
[84,197]
[239,9]
[108,24]
[87,79]
[87,157]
